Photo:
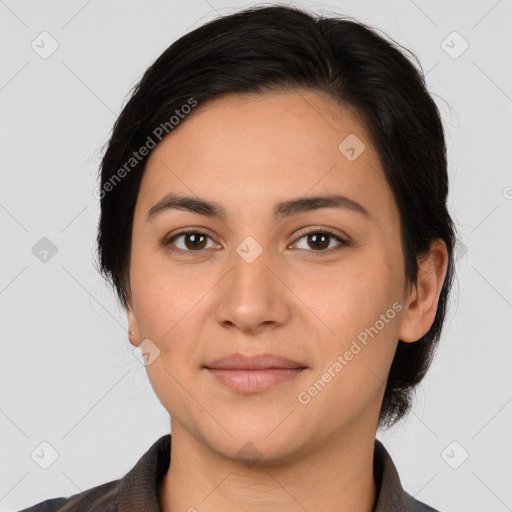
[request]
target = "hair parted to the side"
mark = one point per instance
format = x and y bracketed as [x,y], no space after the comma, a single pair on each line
[265,48]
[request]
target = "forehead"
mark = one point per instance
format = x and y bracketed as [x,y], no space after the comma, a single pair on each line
[254,148]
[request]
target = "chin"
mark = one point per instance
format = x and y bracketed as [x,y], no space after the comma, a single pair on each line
[257,452]
[257,442]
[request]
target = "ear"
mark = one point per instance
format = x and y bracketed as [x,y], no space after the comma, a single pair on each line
[421,304]
[133,326]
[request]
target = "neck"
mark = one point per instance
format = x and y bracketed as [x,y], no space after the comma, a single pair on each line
[338,476]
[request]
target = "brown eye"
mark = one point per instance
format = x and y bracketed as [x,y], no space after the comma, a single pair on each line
[189,241]
[194,241]
[320,241]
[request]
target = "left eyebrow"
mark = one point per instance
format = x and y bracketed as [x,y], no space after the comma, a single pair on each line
[305,204]
[207,208]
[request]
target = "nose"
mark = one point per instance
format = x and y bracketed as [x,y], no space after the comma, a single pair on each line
[253,296]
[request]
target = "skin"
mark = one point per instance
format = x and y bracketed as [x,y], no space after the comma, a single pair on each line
[249,152]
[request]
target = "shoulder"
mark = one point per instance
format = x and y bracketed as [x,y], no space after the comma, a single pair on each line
[102,497]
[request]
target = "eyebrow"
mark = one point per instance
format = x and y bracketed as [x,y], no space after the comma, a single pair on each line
[207,208]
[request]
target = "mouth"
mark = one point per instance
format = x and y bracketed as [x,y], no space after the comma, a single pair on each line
[252,374]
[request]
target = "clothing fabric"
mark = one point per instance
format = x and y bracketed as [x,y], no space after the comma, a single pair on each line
[137,491]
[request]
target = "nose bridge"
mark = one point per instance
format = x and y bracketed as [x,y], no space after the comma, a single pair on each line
[251,275]
[253,295]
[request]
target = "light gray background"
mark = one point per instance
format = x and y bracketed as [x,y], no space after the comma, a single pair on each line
[68,374]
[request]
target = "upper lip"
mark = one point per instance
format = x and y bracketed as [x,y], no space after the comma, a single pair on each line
[254,362]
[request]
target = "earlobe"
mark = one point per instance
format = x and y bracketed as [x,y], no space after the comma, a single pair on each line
[422,302]
[133,329]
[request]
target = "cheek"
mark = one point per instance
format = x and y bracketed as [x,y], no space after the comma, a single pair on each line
[162,294]
[355,360]
[167,314]
[347,298]
[170,308]
[357,311]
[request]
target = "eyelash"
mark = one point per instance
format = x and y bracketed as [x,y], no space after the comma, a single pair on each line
[168,243]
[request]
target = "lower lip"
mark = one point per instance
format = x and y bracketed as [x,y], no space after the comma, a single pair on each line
[252,381]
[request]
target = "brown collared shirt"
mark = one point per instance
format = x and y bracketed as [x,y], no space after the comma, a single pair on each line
[137,491]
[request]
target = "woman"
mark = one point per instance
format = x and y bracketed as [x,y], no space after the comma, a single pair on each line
[274,221]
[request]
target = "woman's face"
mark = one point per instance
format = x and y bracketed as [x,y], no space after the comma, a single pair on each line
[268,279]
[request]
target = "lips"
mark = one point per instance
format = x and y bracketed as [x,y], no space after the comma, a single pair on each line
[256,362]
[252,374]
